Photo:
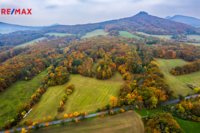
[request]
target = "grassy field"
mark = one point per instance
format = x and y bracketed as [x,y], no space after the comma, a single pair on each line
[31,42]
[149,112]
[194,37]
[129,35]
[89,95]
[196,44]
[189,126]
[58,34]
[128,122]
[166,37]
[16,95]
[95,33]
[178,83]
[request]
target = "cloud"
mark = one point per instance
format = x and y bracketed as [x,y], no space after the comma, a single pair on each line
[47,12]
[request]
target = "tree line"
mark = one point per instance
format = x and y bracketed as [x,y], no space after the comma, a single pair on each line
[186,69]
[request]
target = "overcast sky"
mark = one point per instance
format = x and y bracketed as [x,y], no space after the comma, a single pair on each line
[48,12]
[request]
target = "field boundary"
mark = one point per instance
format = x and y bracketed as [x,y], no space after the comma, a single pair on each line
[106,112]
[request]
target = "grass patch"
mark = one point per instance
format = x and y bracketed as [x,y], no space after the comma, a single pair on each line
[165,37]
[94,33]
[125,122]
[58,34]
[194,37]
[178,83]
[129,35]
[16,95]
[196,44]
[89,95]
[188,126]
[31,42]
[149,112]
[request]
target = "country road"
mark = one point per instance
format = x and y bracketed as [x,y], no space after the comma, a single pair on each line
[175,101]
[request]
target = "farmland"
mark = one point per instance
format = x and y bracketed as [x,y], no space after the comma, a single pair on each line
[165,37]
[112,124]
[94,33]
[194,37]
[58,34]
[90,94]
[178,83]
[129,35]
[16,95]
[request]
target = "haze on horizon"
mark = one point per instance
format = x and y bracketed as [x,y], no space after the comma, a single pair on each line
[48,12]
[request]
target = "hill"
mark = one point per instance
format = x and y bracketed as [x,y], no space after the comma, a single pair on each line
[186,20]
[142,22]
[8,28]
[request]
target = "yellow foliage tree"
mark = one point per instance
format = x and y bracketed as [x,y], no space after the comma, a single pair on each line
[113,101]
[23,130]
[66,116]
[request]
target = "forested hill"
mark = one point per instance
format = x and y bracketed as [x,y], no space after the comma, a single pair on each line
[186,20]
[8,28]
[142,22]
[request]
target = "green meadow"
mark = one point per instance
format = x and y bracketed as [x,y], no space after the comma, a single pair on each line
[99,32]
[89,95]
[16,95]
[178,84]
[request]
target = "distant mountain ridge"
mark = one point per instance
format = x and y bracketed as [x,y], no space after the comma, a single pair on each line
[8,28]
[141,22]
[186,19]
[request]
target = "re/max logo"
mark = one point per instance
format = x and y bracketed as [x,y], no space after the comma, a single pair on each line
[19,11]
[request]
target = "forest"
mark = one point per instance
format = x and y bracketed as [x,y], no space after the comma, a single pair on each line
[144,85]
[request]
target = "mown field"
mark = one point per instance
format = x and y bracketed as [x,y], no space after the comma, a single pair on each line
[95,33]
[89,95]
[178,83]
[128,122]
[129,35]
[194,37]
[58,34]
[31,42]
[166,37]
[16,95]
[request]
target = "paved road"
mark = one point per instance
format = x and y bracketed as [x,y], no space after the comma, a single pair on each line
[175,101]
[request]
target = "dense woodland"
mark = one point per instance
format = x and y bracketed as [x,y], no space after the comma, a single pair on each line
[162,123]
[19,37]
[172,50]
[30,62]
[11,52]
[187,109]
